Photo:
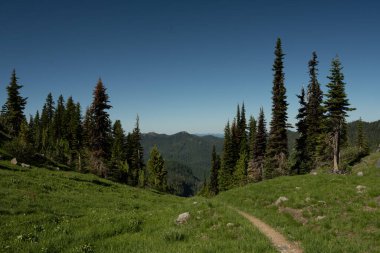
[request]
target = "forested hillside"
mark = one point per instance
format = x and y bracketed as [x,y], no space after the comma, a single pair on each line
[371,132]
[183,148]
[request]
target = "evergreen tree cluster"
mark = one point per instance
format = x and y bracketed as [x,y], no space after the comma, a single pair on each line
[60,136]
[250,154]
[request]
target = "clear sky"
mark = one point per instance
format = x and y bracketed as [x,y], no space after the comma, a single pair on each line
[184,65]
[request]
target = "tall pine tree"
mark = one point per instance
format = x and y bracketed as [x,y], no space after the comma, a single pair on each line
[225,175]
[337,106]
[277,151]
[314,112]
[13,110]
[135,156]
[215,166]
[100,133]
[302,158]
[260,144]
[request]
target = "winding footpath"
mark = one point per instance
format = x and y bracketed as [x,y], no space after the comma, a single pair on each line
[278,240]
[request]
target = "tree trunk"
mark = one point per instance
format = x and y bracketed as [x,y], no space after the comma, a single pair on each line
[336,151]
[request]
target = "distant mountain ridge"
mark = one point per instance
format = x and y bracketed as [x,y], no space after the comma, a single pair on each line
[188,149]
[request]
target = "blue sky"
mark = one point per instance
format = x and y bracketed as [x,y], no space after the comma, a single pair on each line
[185,65]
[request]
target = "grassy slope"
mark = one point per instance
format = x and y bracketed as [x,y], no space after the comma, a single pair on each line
[352,220]
[56,211]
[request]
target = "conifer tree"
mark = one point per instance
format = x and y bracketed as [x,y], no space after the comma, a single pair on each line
[302,158]
[224,177]
[73,131]
[240,172]
[242,125]
[277,150]
[259,148]
[47,140]
[337,106]
[99,138]
[157,178]
[118,152]
[252,137]
[59,123]
[135,158]
[37,132]
[13,110]
[215,166]
[361,140]
[314,111]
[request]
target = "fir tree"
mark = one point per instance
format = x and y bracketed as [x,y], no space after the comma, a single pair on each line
[240,172]
[251,137]
[47,140]
[157,178]
[101,131]
[337,106]
[314,111]
[135,158]
[302,159]
[242,126]
[118,152]
[361,140]
[37,131]
[224,177]
[256,170]
[13,110]
[59,123]
[277,150]
[215,166]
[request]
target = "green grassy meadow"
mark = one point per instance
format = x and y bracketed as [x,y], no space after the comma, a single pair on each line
[58,211]
[348,221]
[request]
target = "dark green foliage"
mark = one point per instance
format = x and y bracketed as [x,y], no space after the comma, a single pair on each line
[337,106]
[119,165]
[361,141]
[157,173]
[47,140]
[21,146]
[135,157]
[181,180]
[13,111]
[100,133]
[314,111]
[256,166]
[252,137]
[277,150]
[240,171]
[228,163]
[371,133]
[242,129]
[190,150]
[302,159]
[215,167]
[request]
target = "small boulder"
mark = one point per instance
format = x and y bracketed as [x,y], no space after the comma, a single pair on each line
[298,188]
[360,174]
[230,225]
[320,218]
[280,200]
[194,203]
[360,188]
[24,165]
[308,199]
[314,173]
[183,218]
[14,161]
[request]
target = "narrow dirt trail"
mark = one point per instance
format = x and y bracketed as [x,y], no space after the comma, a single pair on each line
[278,240]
